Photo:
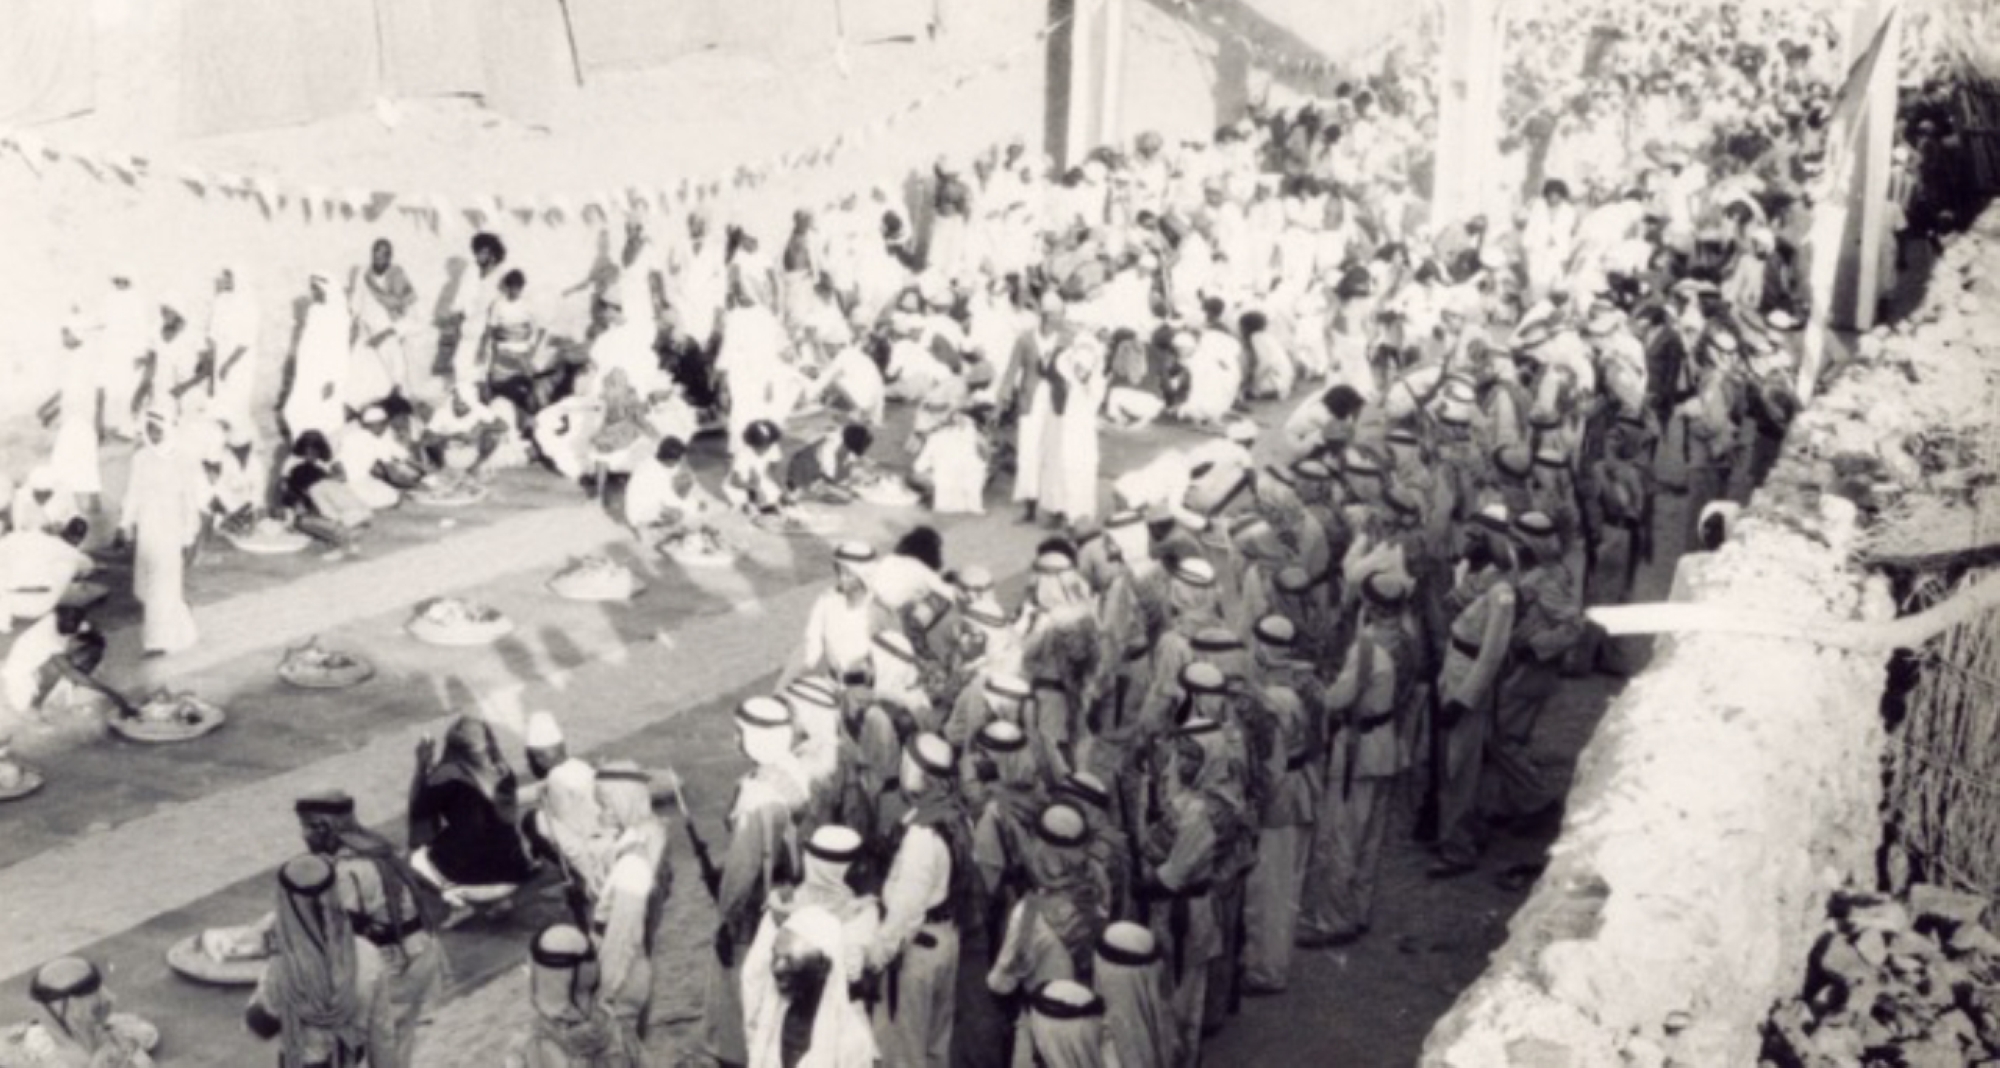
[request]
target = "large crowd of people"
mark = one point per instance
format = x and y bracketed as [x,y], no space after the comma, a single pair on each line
[1075,829]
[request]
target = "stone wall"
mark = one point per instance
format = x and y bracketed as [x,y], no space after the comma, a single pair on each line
[1737,782]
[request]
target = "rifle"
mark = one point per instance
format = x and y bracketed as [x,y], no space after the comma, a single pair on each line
[1429,813]
[711,876]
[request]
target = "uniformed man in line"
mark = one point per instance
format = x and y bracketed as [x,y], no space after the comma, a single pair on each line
[1182,851]
[930,890]
[1283,694]
[402,967]
[1476,652]
[1549,622]
[1364,760]
[763,855]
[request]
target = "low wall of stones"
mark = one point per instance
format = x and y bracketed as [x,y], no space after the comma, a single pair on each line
[1736,784]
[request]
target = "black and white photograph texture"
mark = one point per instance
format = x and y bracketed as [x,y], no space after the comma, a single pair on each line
[999,534]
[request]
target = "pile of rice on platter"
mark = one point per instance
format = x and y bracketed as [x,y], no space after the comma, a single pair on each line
[222,956]
[17,780]
[450,489]
[266,536]
[799,520]
[168,717]
[887,491]
[312,666]
[699,546]
[455,621]
[596,578]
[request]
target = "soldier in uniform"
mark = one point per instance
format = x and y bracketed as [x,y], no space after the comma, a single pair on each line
[930,895]
[1284,695]
[1621,500]
[1109,847]
[1184,849]
[570,1027]
[1476,652]
[763,856]
[402,964]
[1549,623]
[1364,760]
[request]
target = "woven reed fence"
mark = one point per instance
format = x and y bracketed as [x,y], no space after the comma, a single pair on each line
[1944,757]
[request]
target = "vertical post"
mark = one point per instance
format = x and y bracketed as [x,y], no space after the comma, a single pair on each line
[1059,83]
[1468,116]
[1851,200]
[1855,295]
[1111,66]
[1086,81]
[1086,77]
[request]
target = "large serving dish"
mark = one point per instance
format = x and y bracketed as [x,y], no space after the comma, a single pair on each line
[455,621]
[596,578]
[268,536]
[312,666]
[168,717]
[702,546]
[450,489]
[224,956]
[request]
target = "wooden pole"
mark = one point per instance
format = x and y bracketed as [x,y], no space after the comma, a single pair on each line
[569,32]
[1868,222]
[1059,83]
[1468,116]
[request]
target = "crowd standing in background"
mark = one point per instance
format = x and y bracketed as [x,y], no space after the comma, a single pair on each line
[1074,830]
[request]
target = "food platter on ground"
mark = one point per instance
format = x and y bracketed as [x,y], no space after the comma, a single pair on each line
[888,492]
[450,489]
[797,521]
[596,578]
[455,621]
[697,547]
[168,717]
[223,956]
[18,780]
[267,536]
[313,667]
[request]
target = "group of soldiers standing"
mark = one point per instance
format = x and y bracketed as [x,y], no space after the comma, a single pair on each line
[1185,746]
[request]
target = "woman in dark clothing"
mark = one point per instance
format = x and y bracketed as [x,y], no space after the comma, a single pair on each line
[463,826]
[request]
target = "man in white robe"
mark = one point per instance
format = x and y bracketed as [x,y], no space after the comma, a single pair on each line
[1215,375]
[382,298]
[318,397]
[129,325]
[1070,451]
[233,323]
[1033,397]
[39,503]
[367,448]
[162,518]
[762,384]
[36,568]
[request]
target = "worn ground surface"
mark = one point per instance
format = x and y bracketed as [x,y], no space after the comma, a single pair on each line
[130,848]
